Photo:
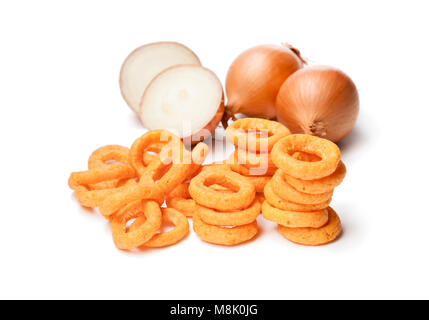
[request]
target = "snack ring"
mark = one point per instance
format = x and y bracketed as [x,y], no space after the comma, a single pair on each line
[327,151]
[287,192]
[102,174]
[99,158]
[245,170]
[181,168]
[243,133]
[94,198]
[181,200]
[103,154]
[133,239]
[224,236]
[165,239]
[295,219]
[276,201]
[242,196]
[131,194]
[322,185]
[151,139]
[230,218]
[314,237]
[251,159]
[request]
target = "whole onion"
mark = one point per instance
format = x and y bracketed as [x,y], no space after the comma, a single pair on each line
[255,77]
[319,100]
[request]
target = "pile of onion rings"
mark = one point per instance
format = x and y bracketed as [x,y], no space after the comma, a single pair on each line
[299,194]
[158,182]
[130,186]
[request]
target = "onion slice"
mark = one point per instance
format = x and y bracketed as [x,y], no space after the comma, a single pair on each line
[145,62]
[186,99]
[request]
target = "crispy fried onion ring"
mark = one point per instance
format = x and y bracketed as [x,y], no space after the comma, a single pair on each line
[230,218]
[276,201]
[130,194]
[243,169]
[100,158]
[295,219]
[94,198]
[314,237]
[165,239]
[181,200]
[102,174]
[256,135]
[125,239]
[242,196]
[287,192]
[228,236]
[181,167]
[154,141]
[322,185]
[252,159]
[327,151]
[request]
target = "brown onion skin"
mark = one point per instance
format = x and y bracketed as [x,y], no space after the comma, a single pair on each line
[319,100]
[255,77]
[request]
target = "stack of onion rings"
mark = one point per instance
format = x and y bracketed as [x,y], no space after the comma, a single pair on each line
[299,194]
[133,183]
[252,157]
[226,207]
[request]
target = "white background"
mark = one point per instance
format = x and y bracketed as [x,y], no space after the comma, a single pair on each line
[60,100]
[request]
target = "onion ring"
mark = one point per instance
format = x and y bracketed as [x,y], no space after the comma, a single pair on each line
[326,184]
[287,192]
[94,198]
[181,200]
[151,139]
[252,159]
[96,175]
[240,134]
[224,236]
[314,237]
[282,156]
[230,218]
[165,239]
[295,219]
[99,158]
[235,166]
[131,194]
[242,197]
[133,239]
[179,170]
[276,201]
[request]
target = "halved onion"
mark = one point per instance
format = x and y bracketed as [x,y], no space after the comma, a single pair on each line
[145,62]
[186,99]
